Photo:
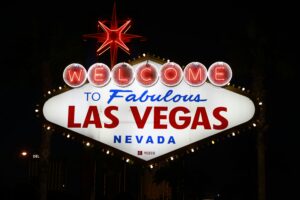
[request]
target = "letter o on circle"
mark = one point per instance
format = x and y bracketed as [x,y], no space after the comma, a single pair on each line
[171,74]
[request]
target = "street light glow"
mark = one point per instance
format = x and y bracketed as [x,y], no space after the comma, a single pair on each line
[24,153]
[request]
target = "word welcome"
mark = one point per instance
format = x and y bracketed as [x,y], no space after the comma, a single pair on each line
[170,74]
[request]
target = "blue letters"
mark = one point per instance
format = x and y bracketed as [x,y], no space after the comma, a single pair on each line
[115,94]
[160,139]
[128,139]
[140,139]
[171,140]
[144,97]
[149,140]
[117,138]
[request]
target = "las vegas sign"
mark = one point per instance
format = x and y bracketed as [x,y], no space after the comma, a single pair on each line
[148,109]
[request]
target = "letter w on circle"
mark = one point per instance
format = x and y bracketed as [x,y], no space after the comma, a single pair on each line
[74,74]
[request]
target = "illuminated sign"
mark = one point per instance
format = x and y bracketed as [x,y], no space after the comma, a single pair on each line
[170,74]
[148,109]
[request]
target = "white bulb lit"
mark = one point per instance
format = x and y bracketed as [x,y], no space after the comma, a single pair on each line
[48,128]
[254,125]
[192,150]
[260,103]
[213,142]
[107,152]
[243,89]
[151,166]
[233,134]
[68,136]
[49,92]
[127,160]
[144,55]
[88,144]
[172,158]
[24,153]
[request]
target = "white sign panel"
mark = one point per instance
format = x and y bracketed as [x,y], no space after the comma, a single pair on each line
[148,122]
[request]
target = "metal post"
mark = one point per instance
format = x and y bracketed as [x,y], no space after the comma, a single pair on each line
[258,74]
[261,164]
[93,190]
[124,178]
[45,143]
[104,184]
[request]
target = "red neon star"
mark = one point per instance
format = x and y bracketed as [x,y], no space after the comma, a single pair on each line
[113,37]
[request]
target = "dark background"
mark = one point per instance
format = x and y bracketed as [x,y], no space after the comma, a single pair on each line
[257,39]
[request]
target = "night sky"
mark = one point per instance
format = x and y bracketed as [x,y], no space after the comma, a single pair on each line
[257,40]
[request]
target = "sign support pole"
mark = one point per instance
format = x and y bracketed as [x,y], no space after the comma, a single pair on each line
[45,143]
